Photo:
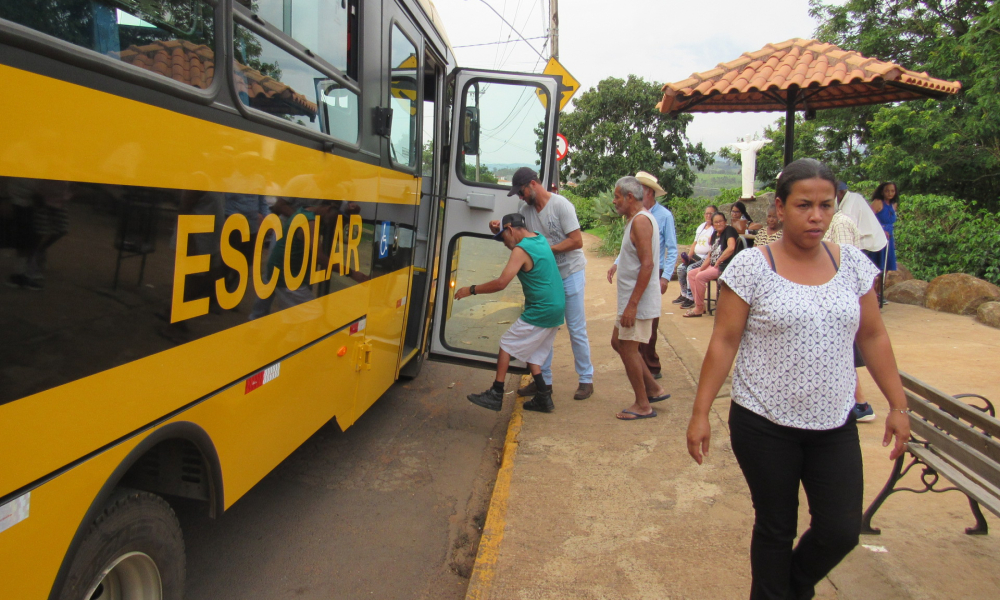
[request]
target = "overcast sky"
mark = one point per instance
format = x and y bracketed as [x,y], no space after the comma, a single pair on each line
[660,40]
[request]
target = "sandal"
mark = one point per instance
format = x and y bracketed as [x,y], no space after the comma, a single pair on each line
[692,314]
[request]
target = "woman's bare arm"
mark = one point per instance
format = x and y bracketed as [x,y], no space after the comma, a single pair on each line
[730,249]
[730,321]
[873,342]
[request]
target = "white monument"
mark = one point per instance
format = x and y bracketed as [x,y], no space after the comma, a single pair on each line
[748,156]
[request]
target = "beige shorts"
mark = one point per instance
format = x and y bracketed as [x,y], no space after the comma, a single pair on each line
[640,332]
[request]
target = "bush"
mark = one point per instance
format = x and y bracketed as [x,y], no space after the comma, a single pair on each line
[688,213]
[936,235]
[586,211]
[728,195]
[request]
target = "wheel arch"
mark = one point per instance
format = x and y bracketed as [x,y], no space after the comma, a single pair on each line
[185,431]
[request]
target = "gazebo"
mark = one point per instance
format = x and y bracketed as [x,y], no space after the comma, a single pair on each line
[799,74]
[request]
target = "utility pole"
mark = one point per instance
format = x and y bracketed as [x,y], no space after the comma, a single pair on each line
[554,53]
[554,29]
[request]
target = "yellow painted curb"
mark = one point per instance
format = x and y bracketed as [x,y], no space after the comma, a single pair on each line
[484,571]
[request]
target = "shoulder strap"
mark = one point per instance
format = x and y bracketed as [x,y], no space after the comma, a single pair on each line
[836,267]
[770,257]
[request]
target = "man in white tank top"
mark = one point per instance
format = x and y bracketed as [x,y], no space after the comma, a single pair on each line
[638,296]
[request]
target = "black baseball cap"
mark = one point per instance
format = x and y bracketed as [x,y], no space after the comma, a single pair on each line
[521,178]
[513,219]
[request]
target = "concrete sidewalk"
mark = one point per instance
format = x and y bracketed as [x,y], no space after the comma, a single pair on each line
[591,507]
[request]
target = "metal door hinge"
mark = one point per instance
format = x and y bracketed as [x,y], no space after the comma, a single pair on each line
[382,121]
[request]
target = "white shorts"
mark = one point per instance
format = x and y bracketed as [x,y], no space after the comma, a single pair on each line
[528,343]
[640,332]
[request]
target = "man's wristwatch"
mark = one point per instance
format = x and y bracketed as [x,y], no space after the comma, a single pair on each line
[472,289]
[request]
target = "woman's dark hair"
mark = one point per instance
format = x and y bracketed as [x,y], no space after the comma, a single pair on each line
[743,210]
[800,170]
[715,234]
[714,208]
[880,192]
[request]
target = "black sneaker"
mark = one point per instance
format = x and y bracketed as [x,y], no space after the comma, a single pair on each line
[542,402]
[490,399]
[687,303]
[678,299]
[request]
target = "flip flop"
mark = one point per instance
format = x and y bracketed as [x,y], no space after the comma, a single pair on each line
[691,314]
[636,415]
[658,398]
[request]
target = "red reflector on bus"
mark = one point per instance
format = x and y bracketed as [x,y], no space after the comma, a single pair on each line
[258,379]
[359,326]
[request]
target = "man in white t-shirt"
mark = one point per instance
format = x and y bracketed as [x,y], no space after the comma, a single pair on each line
[554,217]
[854,206]
[844,230]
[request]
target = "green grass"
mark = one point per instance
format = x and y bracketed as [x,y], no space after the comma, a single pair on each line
[600,231]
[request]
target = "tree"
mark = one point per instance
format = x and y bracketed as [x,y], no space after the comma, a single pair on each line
[949,146]
[485,175]
[615,129]
[837,137]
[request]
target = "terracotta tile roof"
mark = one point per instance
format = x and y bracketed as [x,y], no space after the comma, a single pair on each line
[194,64]
[180,60]
[270,95]
[827,76]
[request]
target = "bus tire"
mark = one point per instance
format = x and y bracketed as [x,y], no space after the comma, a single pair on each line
[133,551]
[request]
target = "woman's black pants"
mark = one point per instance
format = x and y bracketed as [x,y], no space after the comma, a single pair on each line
[774,459]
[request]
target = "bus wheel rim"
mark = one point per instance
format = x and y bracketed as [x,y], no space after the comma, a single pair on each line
[131,576]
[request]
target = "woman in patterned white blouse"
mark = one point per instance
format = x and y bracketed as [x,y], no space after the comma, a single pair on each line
[788,314]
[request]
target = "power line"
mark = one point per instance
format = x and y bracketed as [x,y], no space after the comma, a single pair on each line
[496,51]
[523,25]
[512,28]
[541,37]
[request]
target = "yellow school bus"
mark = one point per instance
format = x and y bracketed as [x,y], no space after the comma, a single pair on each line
[224,223]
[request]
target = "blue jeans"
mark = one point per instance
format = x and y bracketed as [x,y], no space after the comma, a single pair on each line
[576,323]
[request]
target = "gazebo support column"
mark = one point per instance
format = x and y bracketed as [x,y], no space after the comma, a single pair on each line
[791,93]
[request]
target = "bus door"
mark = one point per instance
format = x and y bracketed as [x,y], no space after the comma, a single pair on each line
[399,197]
[501,122]
[428,222]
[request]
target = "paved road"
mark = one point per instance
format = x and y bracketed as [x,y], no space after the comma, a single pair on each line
[389,509]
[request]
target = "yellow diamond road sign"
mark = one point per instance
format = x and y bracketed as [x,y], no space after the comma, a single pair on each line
[567,87]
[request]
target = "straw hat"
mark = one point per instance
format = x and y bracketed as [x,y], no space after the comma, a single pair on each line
[649,181]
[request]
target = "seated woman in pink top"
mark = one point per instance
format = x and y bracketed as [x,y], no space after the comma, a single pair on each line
[724,247]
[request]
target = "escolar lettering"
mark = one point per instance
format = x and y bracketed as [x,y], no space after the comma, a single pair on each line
[342,256]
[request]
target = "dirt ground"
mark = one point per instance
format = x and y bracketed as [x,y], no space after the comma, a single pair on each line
[606,509]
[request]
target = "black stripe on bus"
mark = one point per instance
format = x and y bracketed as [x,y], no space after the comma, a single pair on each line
[159,421]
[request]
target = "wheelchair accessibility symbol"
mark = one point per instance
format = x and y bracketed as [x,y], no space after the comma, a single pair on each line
[384,231]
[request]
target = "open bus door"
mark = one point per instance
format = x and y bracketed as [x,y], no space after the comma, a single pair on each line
[501,122]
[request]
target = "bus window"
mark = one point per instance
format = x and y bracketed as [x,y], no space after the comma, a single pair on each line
[339,110]
[322,26]
[173,38]
[274,81]
[404,101]
[504,129]
[476,323]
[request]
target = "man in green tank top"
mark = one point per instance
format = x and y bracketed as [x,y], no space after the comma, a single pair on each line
[530,337]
